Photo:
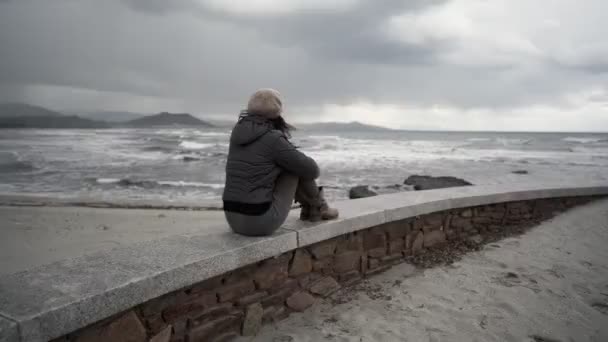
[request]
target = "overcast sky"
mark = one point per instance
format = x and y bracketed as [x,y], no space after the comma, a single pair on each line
[416,64]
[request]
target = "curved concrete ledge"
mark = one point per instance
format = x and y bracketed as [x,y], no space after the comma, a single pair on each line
[52,300]
[372,211]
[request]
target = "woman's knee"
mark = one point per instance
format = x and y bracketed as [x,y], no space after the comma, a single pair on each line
[287,182]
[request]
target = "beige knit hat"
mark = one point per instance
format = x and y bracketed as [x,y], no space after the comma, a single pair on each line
[266,102]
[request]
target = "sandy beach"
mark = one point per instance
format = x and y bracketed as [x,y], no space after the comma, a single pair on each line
[550,284]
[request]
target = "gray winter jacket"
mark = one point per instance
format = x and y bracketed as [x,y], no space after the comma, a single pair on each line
[257,155]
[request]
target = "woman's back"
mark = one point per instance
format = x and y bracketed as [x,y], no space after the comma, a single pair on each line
[265,173]
[257,155]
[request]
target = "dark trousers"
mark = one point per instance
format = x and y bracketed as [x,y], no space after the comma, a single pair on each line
[285,190]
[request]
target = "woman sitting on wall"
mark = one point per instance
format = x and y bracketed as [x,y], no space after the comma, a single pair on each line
[265,172]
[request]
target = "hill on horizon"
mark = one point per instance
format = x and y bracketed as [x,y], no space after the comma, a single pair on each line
[50,121]
[353,126]
[21,115]
[15,109]
[168,119]
[112,116]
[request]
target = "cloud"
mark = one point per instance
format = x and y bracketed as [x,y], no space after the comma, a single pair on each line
[500,58]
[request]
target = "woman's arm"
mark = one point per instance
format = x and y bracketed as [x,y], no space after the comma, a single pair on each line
[293,161]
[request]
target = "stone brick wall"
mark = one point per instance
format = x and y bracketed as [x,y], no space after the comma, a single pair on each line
[239,302]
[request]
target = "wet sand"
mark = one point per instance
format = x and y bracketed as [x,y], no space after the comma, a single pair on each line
[550,284]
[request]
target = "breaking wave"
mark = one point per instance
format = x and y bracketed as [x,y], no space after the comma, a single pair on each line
[193,145]
[150,184]
[585,140]
[12,161]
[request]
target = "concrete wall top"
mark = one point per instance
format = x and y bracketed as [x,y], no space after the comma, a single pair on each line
[55,299]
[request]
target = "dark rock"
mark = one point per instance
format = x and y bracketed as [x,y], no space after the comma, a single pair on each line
[236,290]
[300,301]
[520,172]
[429,182]
[126,328]
[325,286]
[347,261]
[300,264]
[163,336]
[323,249]
[433,238]
[190,159]
[253,319]
[395,186]
[213,328]
[476,239]
[360,191]
[418,243]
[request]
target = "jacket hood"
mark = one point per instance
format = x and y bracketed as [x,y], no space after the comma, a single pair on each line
[249,129]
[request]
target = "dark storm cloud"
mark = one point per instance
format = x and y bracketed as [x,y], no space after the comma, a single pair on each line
[162,6]
[207,56]
[185,49]
[354,34]
[349,36]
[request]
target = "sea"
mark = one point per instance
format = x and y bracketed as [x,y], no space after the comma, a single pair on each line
[187,164]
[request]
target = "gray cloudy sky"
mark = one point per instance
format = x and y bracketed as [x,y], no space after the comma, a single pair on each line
[418,64]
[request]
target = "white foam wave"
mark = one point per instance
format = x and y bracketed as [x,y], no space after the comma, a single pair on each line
[509,141]
[107,180]
[193,145]
[159,183]
[478,139]
[212,134]
[192,184]
[585,140]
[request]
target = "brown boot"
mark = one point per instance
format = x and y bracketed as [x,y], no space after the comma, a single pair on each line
[305,212]
[320,210]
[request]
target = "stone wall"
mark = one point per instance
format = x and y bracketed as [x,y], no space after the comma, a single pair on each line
[239,302]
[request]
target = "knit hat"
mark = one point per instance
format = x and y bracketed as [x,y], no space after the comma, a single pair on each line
[266,102]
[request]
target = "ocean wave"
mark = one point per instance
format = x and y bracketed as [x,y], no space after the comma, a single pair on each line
[157,149]
[107,180]
[478,139]
[212,134]
[149,184]
[585,140]
[193,145]
[191,184]
[12,161]
[513,141]
[582,164]
[189,156]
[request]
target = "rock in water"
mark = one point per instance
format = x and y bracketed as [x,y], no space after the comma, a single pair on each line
[429,182]
[189,159]
[520,172]
[361,191]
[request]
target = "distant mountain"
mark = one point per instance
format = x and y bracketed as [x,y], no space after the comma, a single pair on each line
[113,116]
[10,110]
[222,123]
[50,121]
[341,127]
[168,119]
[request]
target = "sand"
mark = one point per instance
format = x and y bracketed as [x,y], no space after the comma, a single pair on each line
[550,284]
